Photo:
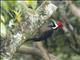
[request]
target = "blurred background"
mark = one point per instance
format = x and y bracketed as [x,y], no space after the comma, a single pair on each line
[64,43]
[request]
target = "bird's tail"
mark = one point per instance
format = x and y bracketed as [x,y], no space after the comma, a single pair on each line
[32,39]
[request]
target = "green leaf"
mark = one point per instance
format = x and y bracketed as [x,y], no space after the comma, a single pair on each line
[2,18]
[28,2]
[30,11]
[34,4]
[17,15]
[4,5]
[3,30]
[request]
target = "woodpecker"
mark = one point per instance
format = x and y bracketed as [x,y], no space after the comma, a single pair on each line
[46,31]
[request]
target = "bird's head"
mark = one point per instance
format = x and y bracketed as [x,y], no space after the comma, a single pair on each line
[56,25]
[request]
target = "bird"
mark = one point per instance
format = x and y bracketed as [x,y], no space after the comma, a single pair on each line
[46,31]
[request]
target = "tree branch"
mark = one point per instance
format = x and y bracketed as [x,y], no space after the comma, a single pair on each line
[25,29]
[75,10]
[34,51]
[29,50]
